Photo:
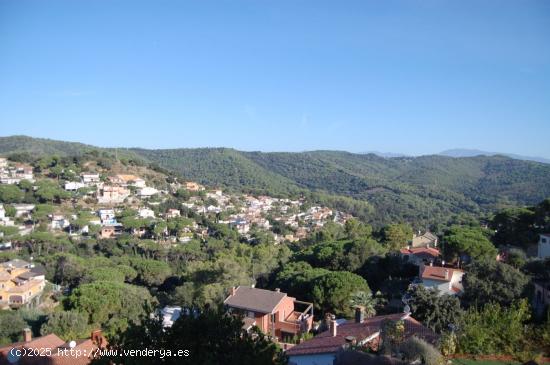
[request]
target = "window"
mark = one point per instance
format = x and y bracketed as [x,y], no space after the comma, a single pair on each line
[543,239]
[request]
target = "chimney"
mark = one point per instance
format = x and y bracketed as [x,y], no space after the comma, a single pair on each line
[446,274]
[96,337]
[27,335]
[351,340]
[333,328]
[359,314]
[278,290]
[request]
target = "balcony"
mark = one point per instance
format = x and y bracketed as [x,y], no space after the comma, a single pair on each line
[297,322]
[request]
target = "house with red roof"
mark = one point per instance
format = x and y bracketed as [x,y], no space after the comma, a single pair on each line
[322,349]
[273,312]
[420,255]
[445,279]
[51,350]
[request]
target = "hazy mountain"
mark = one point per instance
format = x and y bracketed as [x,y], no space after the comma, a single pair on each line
[460,152]
[423,189]
[385,154]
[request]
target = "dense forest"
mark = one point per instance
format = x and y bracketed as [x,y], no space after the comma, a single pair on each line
[423,191]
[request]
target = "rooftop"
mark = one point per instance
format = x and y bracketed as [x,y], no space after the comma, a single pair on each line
[421,251]
[253,299]
[53,342]
[15,263]
[326,343]
[438,273]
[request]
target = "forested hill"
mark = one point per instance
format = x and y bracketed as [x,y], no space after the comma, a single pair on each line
[41,146]
[415,189]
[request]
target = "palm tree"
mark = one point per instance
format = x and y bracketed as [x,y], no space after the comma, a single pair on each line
[366,301]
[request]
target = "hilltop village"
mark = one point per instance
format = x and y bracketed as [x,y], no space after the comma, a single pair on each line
[103,197]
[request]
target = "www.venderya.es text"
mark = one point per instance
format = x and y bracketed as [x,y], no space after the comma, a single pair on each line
[158,353]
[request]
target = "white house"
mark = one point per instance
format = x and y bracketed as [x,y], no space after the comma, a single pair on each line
[544,246]
[59,222]
[6,246]
[74,185]
[241,225]
[139,183]
[146,213]
[147,191]
[90,179]
[23,209]
[213,209]
[106,214]
[170,314]
[444,279]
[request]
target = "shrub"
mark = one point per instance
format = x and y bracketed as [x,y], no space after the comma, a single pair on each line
[414,349]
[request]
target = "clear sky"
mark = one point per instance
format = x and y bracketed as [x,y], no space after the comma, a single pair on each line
[409,76]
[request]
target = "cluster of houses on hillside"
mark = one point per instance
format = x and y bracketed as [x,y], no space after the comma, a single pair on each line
[254,212]
[14,173]
[115,189]
[244,213]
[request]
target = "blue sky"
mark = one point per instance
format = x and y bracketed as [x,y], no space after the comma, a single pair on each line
[414,77]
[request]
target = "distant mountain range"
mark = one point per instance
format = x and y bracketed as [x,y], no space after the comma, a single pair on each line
[463,152]
[386,154]
[421,190]
[460,152]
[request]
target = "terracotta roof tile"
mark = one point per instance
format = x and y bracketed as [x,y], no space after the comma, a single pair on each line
[421,251]
[326,343]
[438,273]
[51,341]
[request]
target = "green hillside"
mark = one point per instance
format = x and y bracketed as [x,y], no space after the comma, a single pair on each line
[220,167]
[41,146]
[421,190]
